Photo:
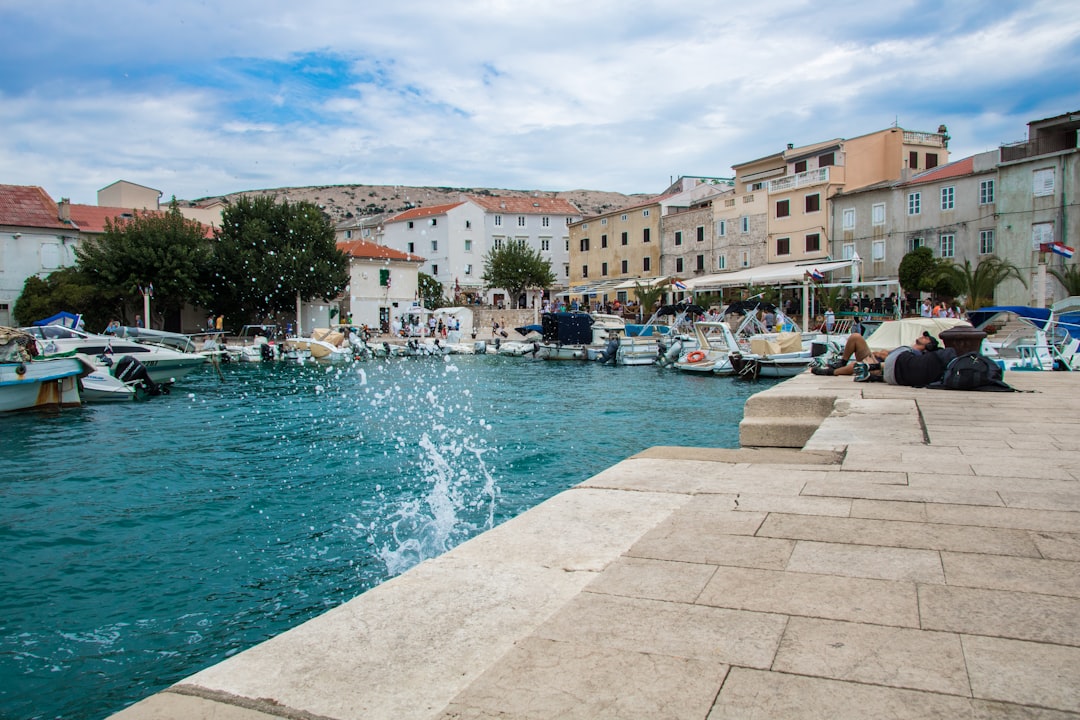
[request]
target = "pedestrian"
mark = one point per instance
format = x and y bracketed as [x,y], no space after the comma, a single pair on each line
[830,320]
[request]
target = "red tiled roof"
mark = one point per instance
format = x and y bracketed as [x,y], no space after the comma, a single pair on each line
[29,206]
[91,218]
[953,169]
[422,212]
[526,205]
[370,251]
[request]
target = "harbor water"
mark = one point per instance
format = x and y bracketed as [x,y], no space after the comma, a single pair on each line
[143,542]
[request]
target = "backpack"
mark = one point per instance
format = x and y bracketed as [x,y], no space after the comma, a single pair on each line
[972,372]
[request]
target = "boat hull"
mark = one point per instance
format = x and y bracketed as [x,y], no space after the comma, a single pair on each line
[42,384]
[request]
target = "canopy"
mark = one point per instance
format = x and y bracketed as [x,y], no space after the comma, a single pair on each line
[592,289]
[768,274]
[646,283]
[62,318]
[892,334]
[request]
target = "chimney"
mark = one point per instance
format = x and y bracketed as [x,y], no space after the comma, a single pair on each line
[791,146]
[64,208]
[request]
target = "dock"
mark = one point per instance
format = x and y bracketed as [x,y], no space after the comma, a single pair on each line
[870,551]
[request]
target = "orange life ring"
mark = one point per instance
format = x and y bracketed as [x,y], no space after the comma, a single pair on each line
[695,357]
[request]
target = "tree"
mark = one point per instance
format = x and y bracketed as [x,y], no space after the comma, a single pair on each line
[431,292]
[977,285]
[515,267]
[647,296]
[915,268]
[165,250]
[267,254]
[1069,277]
[68,289]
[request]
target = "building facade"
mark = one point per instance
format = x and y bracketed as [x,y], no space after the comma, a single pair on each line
[383,284]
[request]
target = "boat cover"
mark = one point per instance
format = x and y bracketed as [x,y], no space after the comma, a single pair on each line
[567,328]
[65,319]
[894,333]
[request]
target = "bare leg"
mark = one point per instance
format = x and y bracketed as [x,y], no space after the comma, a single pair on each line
[855,347]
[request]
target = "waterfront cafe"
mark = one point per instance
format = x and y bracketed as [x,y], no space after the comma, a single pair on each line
[801,274]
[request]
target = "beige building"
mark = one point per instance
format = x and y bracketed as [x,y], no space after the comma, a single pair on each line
[613,248]
[129,195]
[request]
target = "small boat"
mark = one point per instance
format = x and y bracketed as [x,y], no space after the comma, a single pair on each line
[709,351]
[1048,340]
[569,336]
[326,344]
[28,381]
[775,355]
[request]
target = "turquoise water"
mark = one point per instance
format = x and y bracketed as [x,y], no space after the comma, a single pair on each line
[143,542]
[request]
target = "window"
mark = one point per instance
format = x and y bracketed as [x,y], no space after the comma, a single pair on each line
[646,264]
[947,245]
[744,258]
[800,167]
[1043,182]
[468,224]
[678,237]
[813,242]
[603,269]
[645,234]
[877,214]
[603,221]
[1041,234]
[410,224]
[783,246]
[931,160]
[721,228]
[915,243]
[545,244]
[497,242]
[584,244]
[746,223]
[468,246]
[603,241]
[434,269]
[644,213]
[849,219]
[412,248]
[678,265]
[701,262]
[623,217]
[625,266]
[566,270]
[986,192]
[625,238]
[813,203]
[848,251]
[914,203]
[546,222]
[348,234]
[877,252]
[468,269]
[986,242]
[756,186]
[566,242]
[913,160]
[434,246]
[584,271]
[701,233]
[521,221]
[433,222]
[948,198]
[498,221]
[826,160]
[783,208]
[721,263]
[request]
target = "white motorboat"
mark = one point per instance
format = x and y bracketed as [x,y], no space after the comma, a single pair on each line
[164,365]
[325,344]
[773,355]
[709,351]
[29,382]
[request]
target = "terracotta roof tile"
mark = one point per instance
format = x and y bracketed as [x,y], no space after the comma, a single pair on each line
[91,218]
[422,212]
[363,249]
[944,172]
[29,206]
[526,205]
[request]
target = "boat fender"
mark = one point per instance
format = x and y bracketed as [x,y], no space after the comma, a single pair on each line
[695,357]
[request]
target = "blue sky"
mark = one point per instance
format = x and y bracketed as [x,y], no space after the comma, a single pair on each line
[199,98]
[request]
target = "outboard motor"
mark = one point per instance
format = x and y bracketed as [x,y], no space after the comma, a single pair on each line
[266,350]
[610,351]
[129,369]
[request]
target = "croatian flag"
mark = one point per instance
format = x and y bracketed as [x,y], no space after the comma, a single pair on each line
[815,275]
[1062,249]
[679,284]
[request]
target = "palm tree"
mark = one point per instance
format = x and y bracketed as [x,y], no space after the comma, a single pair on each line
[978,284]
[648,296]
[1069,276]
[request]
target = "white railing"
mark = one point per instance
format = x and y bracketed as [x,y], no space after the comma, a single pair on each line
[803,179]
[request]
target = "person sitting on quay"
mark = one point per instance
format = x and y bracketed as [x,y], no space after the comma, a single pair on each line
[916,365]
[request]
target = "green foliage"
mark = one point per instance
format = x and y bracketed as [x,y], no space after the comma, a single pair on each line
[977,285]
[163,249]
[266,253]
[431,292]
[68,289]
[647,297]
[915,269]
[1069,277]
[515,267]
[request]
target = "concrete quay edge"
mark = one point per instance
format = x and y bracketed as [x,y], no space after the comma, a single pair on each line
[918,557]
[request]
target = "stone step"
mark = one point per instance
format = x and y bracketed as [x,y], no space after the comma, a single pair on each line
[774,431]
[781,405]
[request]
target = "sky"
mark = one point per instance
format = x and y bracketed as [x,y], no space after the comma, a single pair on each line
[200,99]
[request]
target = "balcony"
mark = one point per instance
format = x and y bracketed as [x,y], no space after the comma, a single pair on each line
[1042,145]
[924,138]
[818,176]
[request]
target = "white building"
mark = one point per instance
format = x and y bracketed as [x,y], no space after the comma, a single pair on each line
[382,284]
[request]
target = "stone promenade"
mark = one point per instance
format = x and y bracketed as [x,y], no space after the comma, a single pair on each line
[918,558]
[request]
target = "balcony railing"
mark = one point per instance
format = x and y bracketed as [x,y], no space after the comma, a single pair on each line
[924,138]
[803,179]
[1038,146]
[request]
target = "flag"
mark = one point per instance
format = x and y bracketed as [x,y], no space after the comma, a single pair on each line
[679,284]
[1062,249]
[816,275]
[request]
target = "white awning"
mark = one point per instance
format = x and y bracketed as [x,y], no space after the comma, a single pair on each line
[767,274]
[646,283]
[595,288]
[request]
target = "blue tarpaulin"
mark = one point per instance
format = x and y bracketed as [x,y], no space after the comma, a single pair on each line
[62,318]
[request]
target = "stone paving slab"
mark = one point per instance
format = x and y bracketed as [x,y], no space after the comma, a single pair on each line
[919,559]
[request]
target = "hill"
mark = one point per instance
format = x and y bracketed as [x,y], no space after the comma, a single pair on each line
[345,202]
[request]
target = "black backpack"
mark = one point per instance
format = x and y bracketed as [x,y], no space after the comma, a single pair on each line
[972,372]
